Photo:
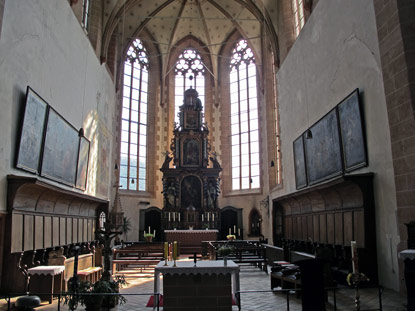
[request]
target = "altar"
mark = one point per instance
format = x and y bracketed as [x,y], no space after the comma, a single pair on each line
[190,237]
[207,286]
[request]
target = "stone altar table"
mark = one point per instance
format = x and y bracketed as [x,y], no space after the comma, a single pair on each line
[190,241]
[208,286]
[46,279]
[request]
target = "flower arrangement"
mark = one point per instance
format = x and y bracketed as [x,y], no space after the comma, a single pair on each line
[225,250]
[356,278]
[146,235]
[231,237]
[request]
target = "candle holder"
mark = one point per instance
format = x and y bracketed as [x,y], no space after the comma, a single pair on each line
[354,279]
[174,263]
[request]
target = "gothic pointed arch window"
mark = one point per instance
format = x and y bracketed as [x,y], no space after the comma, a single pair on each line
[244,119]
[133,157]
[189,72]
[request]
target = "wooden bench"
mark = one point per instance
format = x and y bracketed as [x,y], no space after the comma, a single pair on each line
[87,265]
[140,255]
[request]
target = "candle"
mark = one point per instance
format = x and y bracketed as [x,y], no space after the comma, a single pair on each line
[230,231]
[154,232]
[213,217]
[166,250]
[175,250]
[202,217]
[208,216]
[354,256]
[174,216]
[169,216]
[149,231]
[179,216]
[239,232]
[234,229]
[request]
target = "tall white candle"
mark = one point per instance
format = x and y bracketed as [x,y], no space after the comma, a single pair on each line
[174,216]
[179,216]
[202,217]
[239,232]
[230,231]
[234,229]
[149,231]
[169,216]
[154,232]
[208,216]
[213,216]
[354,256]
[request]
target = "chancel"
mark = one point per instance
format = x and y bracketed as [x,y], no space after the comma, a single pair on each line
[258,133]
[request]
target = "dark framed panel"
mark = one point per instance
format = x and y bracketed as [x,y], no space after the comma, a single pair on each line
[323,151]
[351,130]
[299,163]
[32,132]
[191,119]
[191,152]
[60,153]
[82,166]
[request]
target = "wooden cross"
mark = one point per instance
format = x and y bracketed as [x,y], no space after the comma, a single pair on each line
[195,258]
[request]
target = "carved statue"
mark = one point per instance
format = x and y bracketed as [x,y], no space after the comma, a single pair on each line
[214,160]
[167,160]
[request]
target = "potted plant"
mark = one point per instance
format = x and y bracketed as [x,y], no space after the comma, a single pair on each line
[88,295]
[149,237]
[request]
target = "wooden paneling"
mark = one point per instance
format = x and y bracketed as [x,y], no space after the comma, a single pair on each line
[359,228]
[85,221]
[17,233]
[330,228]
[29,221]
[316,228]
[338,224]
[299,229]
[310,232]
[39,230]
[348,228]
[48,231]
[55,231]
[323,228]
[75,230]
[69,230]
[62,230]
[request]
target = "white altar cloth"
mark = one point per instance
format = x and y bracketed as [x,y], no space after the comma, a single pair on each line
[407,254]
[46,270]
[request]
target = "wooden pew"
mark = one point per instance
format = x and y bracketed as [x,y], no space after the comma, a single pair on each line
[141,255]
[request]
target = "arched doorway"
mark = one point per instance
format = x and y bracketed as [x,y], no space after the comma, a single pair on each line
[152,220]
[231,218]
[255,221]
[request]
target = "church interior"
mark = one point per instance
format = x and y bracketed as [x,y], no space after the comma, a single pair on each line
[288,123]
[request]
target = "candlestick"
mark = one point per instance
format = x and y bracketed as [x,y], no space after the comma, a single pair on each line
[354,256]
[169,216]
[154,233]
[239,232]
[149,231]
[174,216]
[166,252]
[202,217]
[174,252]
[234,229]
[208,215]
[230,231]
[179,216]
[213,216]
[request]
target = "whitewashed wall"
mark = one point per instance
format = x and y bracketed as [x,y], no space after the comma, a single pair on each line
[43,45]
[336,52]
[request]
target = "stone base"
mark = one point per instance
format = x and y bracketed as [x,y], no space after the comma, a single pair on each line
[197,292]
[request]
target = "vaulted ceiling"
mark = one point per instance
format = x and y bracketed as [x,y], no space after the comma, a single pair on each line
[209,21]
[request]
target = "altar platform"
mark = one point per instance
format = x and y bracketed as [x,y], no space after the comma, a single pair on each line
[210,285]
[190,241]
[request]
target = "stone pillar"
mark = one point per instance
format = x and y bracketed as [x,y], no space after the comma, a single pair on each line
[395,25]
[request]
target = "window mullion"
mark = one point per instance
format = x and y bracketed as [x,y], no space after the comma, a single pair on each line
[240,130]
[129,125]
[249,125]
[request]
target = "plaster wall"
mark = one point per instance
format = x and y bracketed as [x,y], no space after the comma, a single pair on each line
[43,46]
[336,52]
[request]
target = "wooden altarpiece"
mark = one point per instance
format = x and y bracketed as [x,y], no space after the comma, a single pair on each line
[190,187]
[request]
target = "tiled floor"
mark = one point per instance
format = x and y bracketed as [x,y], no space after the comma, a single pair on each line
[253,279]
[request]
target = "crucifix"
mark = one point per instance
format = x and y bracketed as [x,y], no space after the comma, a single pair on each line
[195,258]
